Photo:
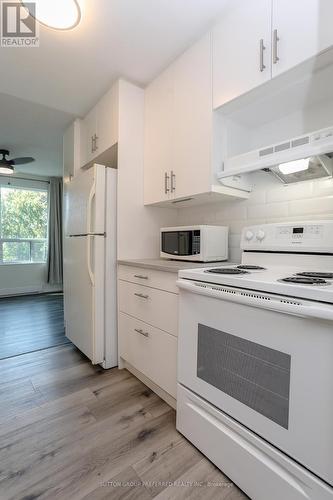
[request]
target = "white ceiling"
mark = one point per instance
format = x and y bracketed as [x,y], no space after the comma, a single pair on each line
[133,39]
[30,129]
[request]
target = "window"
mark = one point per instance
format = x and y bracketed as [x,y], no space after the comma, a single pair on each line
[23,225]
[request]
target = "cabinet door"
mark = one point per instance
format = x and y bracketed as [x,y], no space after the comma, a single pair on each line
[192,121]
[237,47]
[71,150]
[303,28]
[158,154]
[107,121]
[88,131]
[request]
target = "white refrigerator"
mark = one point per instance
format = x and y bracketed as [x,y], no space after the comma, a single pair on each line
[90,253]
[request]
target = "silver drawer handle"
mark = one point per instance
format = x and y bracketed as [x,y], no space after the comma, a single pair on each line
[140,276]
[141,296]
[138,330]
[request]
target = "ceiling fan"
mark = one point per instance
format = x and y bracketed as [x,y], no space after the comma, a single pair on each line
[7,166]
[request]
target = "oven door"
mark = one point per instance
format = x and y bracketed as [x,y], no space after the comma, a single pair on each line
[269,369]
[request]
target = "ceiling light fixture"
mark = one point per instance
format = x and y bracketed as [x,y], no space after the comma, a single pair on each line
[294,166]
[57,15]
[6,170]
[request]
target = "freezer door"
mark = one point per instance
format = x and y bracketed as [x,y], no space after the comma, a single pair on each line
[84,294]
[84,207]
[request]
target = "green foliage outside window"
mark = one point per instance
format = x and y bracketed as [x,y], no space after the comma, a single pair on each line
[23,216]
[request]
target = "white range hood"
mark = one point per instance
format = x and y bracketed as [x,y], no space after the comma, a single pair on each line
[310,145]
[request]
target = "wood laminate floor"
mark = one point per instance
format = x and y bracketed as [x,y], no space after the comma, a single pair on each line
[72,431]
[29,323]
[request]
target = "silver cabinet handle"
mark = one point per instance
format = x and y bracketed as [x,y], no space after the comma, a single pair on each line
[138,330]
[275,46]
[140,276]
[141,295]
[92,144]
[166,183]
[262,48]
[96,141]
[173,181]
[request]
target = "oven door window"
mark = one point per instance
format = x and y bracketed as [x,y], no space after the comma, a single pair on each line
[178,243]
[255,375]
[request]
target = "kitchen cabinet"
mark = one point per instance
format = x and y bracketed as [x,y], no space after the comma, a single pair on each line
[151,351]
[88,137]
[158,147]
[301,30]
[107,120]
[241,50]
[148,326]
[178,157]
[71,150]
[258,40]
[192,121]
[178,127]
[99,130]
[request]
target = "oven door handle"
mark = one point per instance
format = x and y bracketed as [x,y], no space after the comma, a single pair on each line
[278,303]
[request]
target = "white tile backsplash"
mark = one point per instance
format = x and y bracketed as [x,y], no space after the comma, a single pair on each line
[312,206]
[270,202]
[269,210]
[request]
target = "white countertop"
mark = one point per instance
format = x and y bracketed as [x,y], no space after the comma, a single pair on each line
[171,266]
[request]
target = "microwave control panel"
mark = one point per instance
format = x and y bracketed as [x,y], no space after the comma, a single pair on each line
[196,242]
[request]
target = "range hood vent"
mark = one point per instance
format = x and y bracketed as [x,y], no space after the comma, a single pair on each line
[315,144]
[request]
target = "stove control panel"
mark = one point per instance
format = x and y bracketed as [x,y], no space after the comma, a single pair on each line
[312,236]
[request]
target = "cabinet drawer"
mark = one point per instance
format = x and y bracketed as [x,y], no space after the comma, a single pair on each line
[156,307]
[149,277]
[149,350]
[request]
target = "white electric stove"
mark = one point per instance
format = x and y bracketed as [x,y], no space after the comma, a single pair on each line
[255,368]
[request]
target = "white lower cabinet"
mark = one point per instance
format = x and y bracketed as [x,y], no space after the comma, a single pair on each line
[148,326]
[150,350]
[155,307]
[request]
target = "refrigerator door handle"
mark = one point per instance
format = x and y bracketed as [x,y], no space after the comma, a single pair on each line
[91,197]
[90,271]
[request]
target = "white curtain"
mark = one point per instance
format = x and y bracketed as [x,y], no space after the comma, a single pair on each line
[55,257]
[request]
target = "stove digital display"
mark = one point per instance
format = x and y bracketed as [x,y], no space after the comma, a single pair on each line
[298,230]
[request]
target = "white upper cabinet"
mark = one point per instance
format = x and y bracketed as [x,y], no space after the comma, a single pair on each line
[158,146]
[99,129]
[178,122]
[301,29]
[107,120]
[87,139]
[71,150]
[242,49]
[192,121]
[178,161]
[260,39]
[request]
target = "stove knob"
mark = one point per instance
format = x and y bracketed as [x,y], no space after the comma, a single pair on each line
[260,235]
[249,235]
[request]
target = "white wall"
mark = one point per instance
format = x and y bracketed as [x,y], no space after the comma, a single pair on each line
[138,226]
[270,202]
[18,279]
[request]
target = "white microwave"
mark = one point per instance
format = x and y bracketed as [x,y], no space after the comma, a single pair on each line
[195,243]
